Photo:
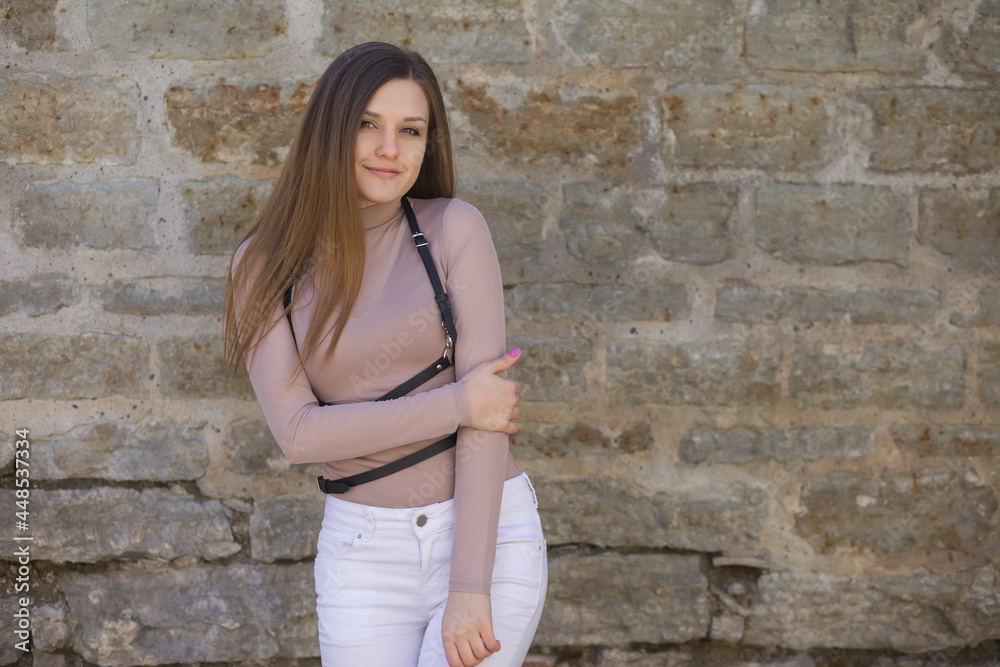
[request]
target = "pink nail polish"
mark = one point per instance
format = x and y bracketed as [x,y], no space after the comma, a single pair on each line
[516,351]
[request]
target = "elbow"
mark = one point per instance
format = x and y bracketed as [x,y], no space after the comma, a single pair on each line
[292,442]
[294,454]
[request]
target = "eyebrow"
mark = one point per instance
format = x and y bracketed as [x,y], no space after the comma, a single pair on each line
[407,119]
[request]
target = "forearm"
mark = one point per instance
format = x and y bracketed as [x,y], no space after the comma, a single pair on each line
[480,466]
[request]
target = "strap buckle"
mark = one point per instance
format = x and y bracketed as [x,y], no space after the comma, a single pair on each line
[332,486]
[423,240]
[448,344]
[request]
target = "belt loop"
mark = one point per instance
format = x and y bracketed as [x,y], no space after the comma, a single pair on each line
[370,526]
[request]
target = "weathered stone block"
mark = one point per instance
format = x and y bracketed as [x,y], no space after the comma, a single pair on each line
[40,294]
[963,225]
[648,32]
[151,450]
[842,36]
[106,523]
[802,610]
[986,314]
[34,25]
[556,371]
[250,448]
[579,440]
[513,210]
[615,599]
[161,296]
[829,225]
[89,365]
[601,126]
[932,508]
[219,212]
[727,628]
[236,121]
[194,367]
[681,223]
[711,373]
[50,631]
[888,375]
[603,512]
[893,306]
[286,527]
[933,129]
[947,439]
[989,372]
[975,48]
[738,301]
[50,119]
[603,303]
[753,126]
[238,613]
[105,215]
[742,444]
[454,31]
[187,29]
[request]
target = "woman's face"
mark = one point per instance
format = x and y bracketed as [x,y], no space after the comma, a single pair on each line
[391,142]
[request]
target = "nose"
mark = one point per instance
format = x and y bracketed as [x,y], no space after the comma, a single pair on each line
[387,146]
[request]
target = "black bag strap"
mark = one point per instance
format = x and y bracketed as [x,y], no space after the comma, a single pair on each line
[344,484]
[439,294]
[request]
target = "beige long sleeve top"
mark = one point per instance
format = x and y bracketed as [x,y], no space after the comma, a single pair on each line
[394,332]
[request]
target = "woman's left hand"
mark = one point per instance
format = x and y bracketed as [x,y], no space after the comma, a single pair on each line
[467,629]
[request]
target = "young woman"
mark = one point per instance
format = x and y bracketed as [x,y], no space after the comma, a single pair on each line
[332,305]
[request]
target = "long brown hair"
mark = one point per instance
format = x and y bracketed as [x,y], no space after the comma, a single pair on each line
[312,220]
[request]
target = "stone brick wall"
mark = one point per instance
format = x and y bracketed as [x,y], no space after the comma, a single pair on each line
[751,250]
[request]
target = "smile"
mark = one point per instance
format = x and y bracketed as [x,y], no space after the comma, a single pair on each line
[383,173]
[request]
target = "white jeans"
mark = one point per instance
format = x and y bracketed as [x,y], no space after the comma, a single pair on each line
[382,581]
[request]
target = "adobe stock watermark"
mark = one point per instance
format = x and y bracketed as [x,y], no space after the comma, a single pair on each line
[22,540]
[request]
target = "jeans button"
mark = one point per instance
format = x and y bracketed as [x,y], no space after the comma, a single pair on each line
[421,520]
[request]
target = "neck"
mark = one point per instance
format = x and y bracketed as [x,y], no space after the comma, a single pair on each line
[380,214]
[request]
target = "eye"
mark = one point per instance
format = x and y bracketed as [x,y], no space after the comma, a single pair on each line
[412,130]
[369,123]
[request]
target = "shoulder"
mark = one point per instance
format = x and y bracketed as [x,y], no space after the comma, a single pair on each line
[460,228]
[455,218]
[238,254]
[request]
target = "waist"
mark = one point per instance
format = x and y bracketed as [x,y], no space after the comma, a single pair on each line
[340,513]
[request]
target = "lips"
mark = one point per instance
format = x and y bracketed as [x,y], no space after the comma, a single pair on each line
[383,172]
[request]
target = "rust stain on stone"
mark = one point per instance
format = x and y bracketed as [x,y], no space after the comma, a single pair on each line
[893,108]
[253,121]
[548,126]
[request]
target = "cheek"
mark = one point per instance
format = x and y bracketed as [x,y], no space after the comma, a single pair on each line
[360,149]
[416,154]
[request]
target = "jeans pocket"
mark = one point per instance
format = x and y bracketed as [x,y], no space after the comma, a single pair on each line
[335,543]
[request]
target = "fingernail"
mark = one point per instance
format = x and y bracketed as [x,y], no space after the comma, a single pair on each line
[516,351]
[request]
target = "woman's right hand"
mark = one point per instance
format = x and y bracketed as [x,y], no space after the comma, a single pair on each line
[492,399]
